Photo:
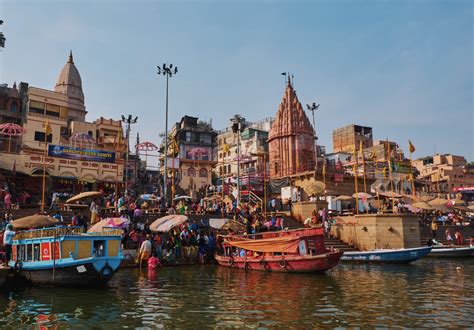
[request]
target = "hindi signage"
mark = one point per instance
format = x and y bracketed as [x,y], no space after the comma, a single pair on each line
[76,153]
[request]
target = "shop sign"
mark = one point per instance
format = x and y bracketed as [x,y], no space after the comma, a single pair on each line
[76,153]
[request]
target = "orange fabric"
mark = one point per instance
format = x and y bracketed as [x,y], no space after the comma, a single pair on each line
[287,244]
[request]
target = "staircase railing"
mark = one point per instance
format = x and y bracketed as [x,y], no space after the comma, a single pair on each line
[254,199]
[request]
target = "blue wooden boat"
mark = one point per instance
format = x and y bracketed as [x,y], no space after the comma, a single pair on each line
[451,251]
[387,255]
[66,256]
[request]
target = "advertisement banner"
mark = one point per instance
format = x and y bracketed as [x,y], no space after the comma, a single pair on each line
[76,153]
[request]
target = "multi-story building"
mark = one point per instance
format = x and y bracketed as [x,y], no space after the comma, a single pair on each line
[349,137]
[444,173]
[253,146]
[76,154]
[191,154]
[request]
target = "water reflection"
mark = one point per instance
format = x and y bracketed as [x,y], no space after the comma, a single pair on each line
[434,293]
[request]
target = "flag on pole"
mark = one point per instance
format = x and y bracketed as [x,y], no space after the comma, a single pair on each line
[47,128]
[411,147]
[226,148]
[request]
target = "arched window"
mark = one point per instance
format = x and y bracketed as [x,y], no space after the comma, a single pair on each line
[203,173]
[191,171]
[228,169]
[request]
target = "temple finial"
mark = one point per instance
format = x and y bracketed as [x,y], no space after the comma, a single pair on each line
[70,60]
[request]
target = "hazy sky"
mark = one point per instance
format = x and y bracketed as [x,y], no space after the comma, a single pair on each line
[403,67]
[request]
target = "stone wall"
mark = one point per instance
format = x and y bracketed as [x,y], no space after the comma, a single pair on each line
[374,231]
[302,210]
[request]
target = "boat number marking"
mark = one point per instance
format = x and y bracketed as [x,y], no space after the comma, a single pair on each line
[81,269]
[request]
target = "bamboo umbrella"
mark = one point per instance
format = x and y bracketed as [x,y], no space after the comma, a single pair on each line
[362,195]
[438,201]
[423,206]
[343,198]
[35,221]
[84,195]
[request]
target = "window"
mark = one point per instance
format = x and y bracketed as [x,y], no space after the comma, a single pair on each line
[205,138]
[276,168]
[228,169]
[203,173]
[39,136]
[191,171]
[14,107]
[188,136]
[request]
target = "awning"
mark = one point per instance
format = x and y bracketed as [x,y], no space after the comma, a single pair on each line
[288,244]
[168,222]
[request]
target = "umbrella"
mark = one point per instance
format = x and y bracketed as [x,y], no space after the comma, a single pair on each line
[343,198]
[108,222]
[312,187]
[456,201]
[218,223]
[35,221]
[168,222]
[390,194]
[464,209]
[441,207]
[425,198]
[362,195]
[182,197]
[438,201]
[423,206]
[10,129]
[84,195]
[235,226]
[146,146]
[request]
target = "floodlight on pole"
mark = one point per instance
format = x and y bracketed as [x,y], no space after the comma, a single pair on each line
[129,121]
[167,71]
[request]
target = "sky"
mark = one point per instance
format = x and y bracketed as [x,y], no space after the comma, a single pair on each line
[404,68]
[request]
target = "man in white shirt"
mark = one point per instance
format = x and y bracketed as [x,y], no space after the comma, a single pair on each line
[145,250]
[8,242]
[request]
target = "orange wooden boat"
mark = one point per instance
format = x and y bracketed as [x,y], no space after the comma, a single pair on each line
[293,251]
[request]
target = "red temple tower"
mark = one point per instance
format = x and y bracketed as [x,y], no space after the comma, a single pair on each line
[291,138]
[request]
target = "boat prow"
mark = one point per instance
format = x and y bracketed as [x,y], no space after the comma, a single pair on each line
[387,255]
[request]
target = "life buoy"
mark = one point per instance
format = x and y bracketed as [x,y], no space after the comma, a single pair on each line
[18,265]
[282,264]
[230,262]
[106,271]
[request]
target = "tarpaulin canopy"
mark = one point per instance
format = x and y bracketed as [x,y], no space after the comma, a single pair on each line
[84,195]
[438,201]
[168,222]
[35,221]
[390,194]
[108,223]
[423,206]
[285,244]
[218,223]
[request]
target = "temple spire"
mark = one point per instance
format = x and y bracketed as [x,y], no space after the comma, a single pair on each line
[70,59]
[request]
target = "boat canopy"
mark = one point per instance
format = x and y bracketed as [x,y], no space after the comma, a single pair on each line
[284,244]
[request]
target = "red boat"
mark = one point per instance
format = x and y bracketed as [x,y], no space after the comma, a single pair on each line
[293,251]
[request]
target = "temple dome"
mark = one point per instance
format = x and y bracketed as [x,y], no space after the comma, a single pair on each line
[69,81]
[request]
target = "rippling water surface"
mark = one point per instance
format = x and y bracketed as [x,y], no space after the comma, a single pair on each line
[429,293]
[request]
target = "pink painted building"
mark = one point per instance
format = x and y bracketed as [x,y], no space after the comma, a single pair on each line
[291,138]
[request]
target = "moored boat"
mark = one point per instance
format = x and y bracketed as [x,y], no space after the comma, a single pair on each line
[66,256]
[451,251]
[387,255]
[293,251]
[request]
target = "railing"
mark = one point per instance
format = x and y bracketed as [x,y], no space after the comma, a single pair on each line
[254,199]
[49,232]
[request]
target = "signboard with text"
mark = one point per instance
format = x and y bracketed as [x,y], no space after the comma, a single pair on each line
[76,153]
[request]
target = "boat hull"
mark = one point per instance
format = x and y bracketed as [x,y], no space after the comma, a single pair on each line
[452,252]
[387,256]
[288,264]
[84,275]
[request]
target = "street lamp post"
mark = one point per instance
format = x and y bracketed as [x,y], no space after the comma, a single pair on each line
[167,71]
[128,121]
[238,126]
[313,107]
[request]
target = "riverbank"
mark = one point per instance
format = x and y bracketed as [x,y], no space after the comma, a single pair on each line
[427,293]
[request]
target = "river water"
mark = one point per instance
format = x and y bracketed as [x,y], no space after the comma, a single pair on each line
[427,293]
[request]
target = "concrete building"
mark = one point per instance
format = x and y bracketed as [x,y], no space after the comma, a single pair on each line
[444,173]
[192,154]
[291,138]
[80,155]
[350,136]
[253,141]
